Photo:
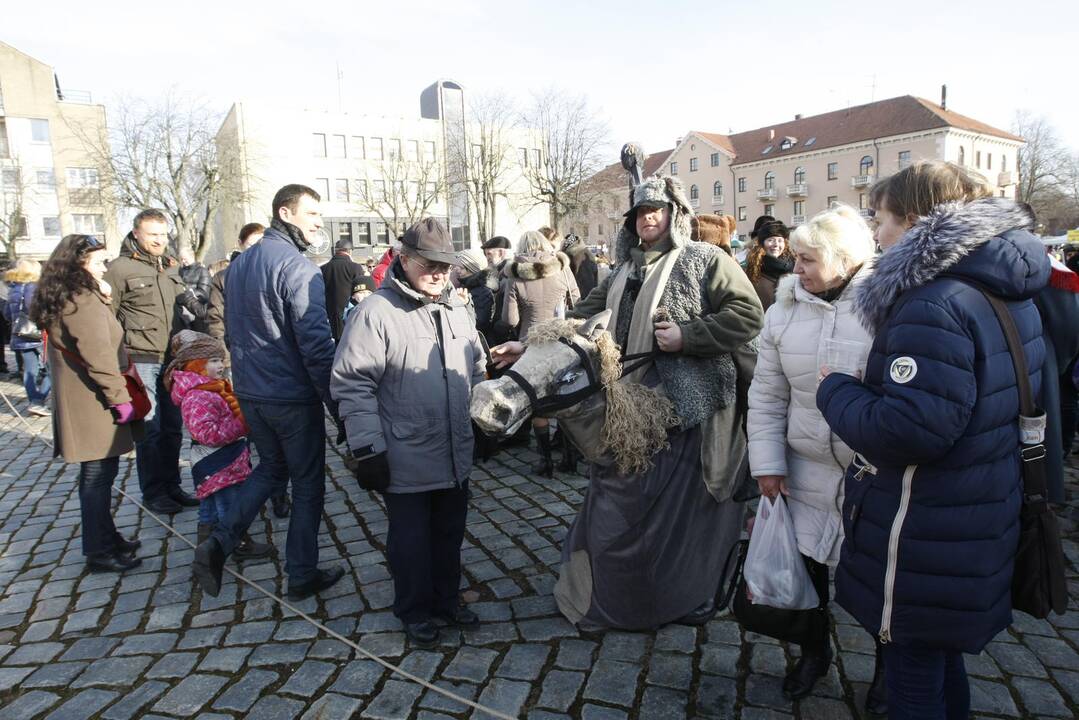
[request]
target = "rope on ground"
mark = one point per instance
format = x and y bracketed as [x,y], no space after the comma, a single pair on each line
[284,603]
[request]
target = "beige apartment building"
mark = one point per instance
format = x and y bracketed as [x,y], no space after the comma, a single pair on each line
[49,182]
[794,169]
[375,174]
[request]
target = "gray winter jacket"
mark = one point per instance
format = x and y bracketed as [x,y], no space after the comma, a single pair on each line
[403,378]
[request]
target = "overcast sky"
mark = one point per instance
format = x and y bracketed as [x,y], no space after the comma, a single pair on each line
[654,70]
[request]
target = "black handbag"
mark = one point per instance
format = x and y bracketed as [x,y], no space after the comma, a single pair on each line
[794,626]
[1038,582]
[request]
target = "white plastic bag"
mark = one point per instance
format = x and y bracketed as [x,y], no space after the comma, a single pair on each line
[774,572]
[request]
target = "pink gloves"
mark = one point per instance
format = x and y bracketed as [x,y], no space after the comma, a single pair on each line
[123,413]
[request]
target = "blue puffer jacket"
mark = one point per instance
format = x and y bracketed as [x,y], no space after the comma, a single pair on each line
[932,524]
[20,297]
[276,325]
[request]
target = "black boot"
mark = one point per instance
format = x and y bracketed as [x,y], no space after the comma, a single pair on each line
[205,530]
[543,446]
[248,549]
[812,666]
[876,700]
[568,463]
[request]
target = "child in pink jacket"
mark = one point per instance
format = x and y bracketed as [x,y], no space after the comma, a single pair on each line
[220,456]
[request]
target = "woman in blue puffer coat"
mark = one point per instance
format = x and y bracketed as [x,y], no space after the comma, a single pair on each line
[931,507]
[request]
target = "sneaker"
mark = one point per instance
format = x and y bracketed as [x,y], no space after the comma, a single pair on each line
[39,410]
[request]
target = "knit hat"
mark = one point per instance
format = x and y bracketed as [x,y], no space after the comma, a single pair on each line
[757,225]
[471,261]
[714,230]
[188,345]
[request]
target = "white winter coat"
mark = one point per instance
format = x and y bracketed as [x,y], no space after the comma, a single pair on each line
[787,434]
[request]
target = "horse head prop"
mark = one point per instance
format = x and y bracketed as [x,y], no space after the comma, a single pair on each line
[571,370]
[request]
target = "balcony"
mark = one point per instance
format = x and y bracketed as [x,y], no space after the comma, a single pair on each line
[799,190]
[861,181]
[797,220]
[695,203]
[866,213]
[766,194]
[717,200]
[1005,179]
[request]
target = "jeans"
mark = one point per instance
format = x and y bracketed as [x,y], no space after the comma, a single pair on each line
[925,683]
[157,457]
[31,363]
[290,441]
[95,494]
[215,507]
[423,547]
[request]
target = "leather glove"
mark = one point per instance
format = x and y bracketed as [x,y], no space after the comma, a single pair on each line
[123,413]
[373,472]
[341,435]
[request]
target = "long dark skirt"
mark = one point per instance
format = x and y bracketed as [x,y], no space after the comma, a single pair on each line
[645,550]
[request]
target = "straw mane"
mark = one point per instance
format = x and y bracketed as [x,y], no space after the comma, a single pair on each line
[637,417]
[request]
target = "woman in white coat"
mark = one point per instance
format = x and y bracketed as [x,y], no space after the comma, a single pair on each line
[791,449]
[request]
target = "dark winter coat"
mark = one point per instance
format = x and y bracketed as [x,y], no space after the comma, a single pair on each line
[279,335]
[20,296]
[215,311]
[197,278]
[536,287]
[1059,310]
[931,530]
[583,264]
[148,296]
[339,275]
[481,287]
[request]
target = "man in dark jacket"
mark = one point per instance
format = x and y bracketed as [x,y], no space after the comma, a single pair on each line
[498,252]
[582,262]
[282,352]
[250,234]
[197,278]
[149,297]
[340,275]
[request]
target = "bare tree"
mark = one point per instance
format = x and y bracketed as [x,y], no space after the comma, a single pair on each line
[13,200]
[403,191]
[1039,161]
[162,154]
[572,142]
[481,154]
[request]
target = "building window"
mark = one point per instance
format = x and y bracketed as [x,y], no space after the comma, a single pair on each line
[83,178]
[693,164]
[962,156]
[989,161]
[318,144]
[374,148]
[46,178]
[1004,163]
[89,224]
[21,227]
[674,168]
[382,234]
[4,151]
[741,184]
[358,150]
[363,233]
[340,190]
[978,159]
[833,170]
[694,193]
[599,230]
[904,159]
[393,148]
[799,207]
[865,167]
[717,189]
[429,150]
[742,212]
[769,183]
[536,157]
[799,177]
[337,146]
[524,157]
[413,150]
[832,200]
[322,187]
[378,190]
[51,226]
[414,191]
[863,203]
[770,209]
[39,131]
[430,191]
[344,231]
[359,190]
[715,159]
[9,178]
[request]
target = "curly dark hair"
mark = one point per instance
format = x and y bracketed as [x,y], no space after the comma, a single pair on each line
[755,259]
[62,278]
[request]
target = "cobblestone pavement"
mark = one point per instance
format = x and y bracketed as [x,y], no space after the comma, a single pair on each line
[150,644]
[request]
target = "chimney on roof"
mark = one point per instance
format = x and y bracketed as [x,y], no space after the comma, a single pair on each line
[798,116]
[677,141]
[943,97]
[772,134]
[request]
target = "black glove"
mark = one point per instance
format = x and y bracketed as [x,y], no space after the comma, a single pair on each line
[341,435]
[373,472]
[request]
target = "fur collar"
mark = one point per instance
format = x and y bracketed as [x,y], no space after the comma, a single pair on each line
[536,267]
[935,244]
[681,230]
[790,290]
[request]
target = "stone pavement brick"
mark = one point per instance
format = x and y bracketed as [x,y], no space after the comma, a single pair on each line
[250,633]
[421,663]
[113,672]
[506,696]
[133,702]
[384,645]
[173,665]
[308,678]
[672,671]
[1016,659]
[1041,699]
[816,708]
[156,643]
[359,677]
[676,638]
[720,660]
[766,691]
[394,702]
[329,707]
[768,660]
[84,705]
[991,697]
[54,675]
[662,704]
[560,689]
[91,648]
[575,654]
[243,694]
[613,682]
[190,695]
[716,697]
[1053,652]
[523,662]
[82,621]
[35,654]
[544,630]
[629,647]
[598,712]
[274,707]
[28,705]
[471,664]
[279,654]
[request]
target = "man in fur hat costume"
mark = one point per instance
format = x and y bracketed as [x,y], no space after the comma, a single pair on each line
[649,549]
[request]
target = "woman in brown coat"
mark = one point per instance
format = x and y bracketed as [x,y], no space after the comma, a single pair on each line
[539,287]
[92,414]
[770,259]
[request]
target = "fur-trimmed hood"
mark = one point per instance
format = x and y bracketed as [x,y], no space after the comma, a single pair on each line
[536,267]
[657,187]
[987,241]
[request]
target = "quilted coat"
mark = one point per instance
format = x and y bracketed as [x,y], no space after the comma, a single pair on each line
[212,424]
[931,510]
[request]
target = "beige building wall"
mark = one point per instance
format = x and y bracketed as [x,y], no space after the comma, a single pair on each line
[47,170]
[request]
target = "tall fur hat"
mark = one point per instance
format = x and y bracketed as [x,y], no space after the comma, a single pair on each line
[714,230]
[656,191]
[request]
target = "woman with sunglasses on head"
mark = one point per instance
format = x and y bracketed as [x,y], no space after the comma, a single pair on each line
[93,417]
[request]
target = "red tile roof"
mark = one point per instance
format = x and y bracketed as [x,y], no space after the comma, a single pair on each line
[614,176]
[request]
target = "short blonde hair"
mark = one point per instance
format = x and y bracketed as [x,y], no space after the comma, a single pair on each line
[838,236]
[533,243]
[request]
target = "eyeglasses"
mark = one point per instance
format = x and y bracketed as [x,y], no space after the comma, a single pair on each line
[431,268]
[88,243]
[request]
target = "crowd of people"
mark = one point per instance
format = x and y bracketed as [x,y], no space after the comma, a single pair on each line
[900,468]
